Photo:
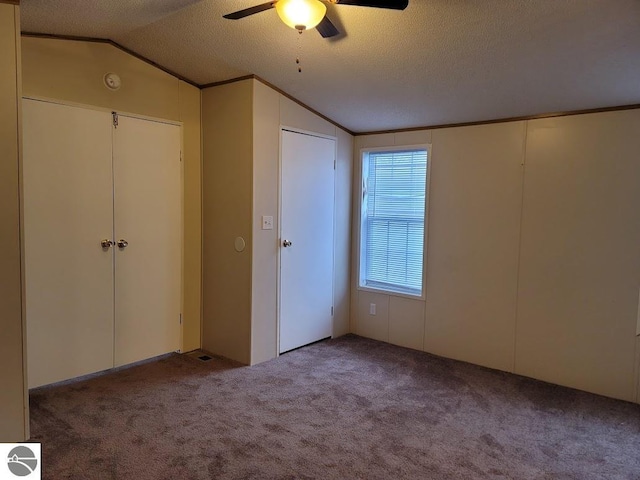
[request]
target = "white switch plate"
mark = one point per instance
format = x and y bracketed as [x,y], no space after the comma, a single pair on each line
[267,222]
[372,309]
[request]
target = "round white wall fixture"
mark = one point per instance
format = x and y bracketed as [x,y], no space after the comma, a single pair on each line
[112,81]
[239,244]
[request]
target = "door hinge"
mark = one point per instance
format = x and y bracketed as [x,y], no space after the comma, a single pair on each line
[114,115]
[332,311]
[180,155]
[180,319]
[334,163]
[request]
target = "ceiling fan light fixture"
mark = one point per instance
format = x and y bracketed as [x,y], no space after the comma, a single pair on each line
[301,14]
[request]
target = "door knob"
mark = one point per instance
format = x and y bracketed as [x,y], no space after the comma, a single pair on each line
[106,243]
[122,243]
[286,243]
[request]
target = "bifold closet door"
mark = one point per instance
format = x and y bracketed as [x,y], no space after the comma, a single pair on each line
[68,211]
[147,209]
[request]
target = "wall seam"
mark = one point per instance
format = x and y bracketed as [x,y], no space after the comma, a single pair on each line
[636,357]
[525,129]
[252,220]
[636,369]
[279,218]
[183,263]
[354,298]
[200,94]
[23,312]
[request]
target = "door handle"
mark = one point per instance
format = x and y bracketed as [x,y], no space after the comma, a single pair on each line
[286,243]
[106,243]
[122,243]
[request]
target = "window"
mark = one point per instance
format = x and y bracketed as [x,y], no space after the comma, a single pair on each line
[394,194]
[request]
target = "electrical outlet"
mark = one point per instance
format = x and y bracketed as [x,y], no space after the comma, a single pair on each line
[372,309]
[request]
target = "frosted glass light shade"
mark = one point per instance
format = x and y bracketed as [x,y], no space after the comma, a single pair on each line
[301,14]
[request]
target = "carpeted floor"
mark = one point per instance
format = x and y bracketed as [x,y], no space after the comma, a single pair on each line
[349,408]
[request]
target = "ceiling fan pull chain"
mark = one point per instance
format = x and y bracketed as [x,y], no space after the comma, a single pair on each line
[299,51]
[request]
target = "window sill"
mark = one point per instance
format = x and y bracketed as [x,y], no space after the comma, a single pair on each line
[393,293]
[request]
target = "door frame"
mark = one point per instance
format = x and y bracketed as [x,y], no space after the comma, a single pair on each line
[141,117]
[282,129]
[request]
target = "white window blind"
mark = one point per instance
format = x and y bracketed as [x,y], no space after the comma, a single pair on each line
[393,213]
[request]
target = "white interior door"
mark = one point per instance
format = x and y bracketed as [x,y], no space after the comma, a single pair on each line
[147,209]
[307,217]
[68,210]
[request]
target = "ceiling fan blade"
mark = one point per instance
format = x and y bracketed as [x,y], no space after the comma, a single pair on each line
[393,4]
[249,11]
[326,28]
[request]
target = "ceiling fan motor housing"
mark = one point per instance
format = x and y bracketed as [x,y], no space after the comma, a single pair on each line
[305,14]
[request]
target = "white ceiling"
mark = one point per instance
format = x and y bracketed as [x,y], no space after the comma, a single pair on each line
[437,62]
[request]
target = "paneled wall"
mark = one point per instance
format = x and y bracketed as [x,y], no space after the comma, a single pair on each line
[532,261]
[266,180]
[580,252]
[72,71]
[244,119]
[13,397]
[474,231]
[272,110]
[637,368]
[227,113]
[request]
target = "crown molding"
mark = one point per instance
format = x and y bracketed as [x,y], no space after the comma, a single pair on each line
[503,120]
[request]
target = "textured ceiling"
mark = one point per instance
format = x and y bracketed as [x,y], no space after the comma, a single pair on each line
[437,62]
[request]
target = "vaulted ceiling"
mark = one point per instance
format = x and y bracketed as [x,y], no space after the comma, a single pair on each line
[437,62]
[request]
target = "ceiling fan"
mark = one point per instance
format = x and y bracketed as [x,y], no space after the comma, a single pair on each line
[305,14]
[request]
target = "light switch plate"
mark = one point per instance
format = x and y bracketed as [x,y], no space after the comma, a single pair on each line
[267,222]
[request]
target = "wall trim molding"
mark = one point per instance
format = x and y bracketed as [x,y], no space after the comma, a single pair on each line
[226,82]
[11,2]
[504,120]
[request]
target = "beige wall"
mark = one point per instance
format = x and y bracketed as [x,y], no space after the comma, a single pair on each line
[266,154]
[342,252]
[190,115]
[227,210]
[532,259]
[263,112]
[474,233]
[637,371]
[580,255]
[72,71]
[13,398]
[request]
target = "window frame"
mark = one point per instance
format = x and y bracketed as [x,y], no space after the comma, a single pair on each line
[360,219]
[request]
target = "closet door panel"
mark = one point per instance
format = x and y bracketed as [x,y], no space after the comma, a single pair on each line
[147,209]
[68,210]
